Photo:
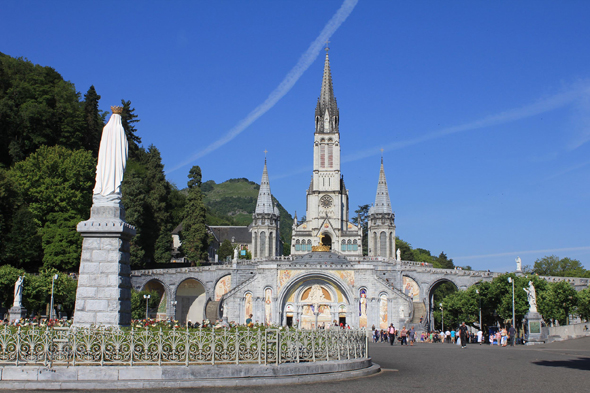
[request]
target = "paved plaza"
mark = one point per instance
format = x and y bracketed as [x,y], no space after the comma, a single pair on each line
[557,367]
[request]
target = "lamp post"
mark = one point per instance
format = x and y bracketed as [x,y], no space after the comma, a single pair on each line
[443,316]
[147,298]
[480,325]
[53,278]
[512,281]
[174,303]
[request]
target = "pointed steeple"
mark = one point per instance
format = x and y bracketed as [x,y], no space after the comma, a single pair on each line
[327,102]
[264,203]
[382,201]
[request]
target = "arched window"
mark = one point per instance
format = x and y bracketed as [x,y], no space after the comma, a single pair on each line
[382,244]
[343,248]
[330,156]
[309,245]
[262,244]
[297,245]
[255,236]
[349,245]
[323,155]
[375,245]
[270,244]
[355,246]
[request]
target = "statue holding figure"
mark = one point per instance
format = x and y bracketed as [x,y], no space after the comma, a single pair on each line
[18,292]
[532,297]
[112,159]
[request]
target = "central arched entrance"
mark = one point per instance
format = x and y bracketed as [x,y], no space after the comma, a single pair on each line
[437,291]
[315,301]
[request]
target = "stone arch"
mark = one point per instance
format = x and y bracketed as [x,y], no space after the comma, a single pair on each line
[382,244]
[262,244]
[429,297]
[191,298]
[163,290]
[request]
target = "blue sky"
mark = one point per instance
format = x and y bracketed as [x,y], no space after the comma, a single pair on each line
[483,108]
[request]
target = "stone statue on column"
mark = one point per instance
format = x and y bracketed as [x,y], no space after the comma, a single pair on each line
[103,296]
[532,297]
[235,254]
[518,264]
[17,311]
[399,255]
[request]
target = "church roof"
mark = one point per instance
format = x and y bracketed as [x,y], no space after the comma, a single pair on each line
[382,201]
[264,203]
[327,101]
[235,234]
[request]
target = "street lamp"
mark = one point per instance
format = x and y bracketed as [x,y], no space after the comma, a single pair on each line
[174,303]
[480,325]
[512,281]
[53,278]
[443,316]
[147,298]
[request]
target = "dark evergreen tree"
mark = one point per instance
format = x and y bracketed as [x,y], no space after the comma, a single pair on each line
[134,192]
[194,232]
[444,261]
[22,244]
[128,119]
[93,121]
[362,217]
[225,250]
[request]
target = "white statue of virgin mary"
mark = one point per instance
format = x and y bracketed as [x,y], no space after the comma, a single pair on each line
[112,158]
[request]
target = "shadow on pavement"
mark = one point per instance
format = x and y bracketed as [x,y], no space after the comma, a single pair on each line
[580,363]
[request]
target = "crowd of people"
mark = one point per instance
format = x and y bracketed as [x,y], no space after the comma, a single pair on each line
[462,336]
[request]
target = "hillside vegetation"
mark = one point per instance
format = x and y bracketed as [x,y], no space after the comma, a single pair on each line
[233,202]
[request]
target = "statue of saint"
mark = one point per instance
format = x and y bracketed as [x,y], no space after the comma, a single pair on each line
[532,297]
[235,254]
[518,264]
[18,292]
[399,254]
[112,159]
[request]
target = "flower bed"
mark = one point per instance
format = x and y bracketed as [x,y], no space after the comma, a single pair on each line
[161,346]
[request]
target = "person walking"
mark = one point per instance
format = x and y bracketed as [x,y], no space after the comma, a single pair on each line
[412,335]
[403,335]
[391,331]
[479,336]
[512,334]
[463,335]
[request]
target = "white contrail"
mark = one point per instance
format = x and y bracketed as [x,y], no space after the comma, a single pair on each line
[506,254]
[537,108]
[302,65]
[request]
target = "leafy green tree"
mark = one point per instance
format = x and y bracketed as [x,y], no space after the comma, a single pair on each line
[138,303]
[128,120]
[8,202]
[37,107]
[362,217]
[134,190]
[564,267]
[406,253]
[444,262]
[93,120]
[55,180]
[225,250]
[37,292]
[62,245]
[22,245]
[557,302]
[194,233]
[584,304]
[461,306]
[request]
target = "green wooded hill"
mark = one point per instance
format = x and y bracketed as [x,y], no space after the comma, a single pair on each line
[233,202]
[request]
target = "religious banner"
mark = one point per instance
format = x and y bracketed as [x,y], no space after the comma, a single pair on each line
[383,312]
[363,309]
[411,288]
[248,305]
[268,306]
[222,287]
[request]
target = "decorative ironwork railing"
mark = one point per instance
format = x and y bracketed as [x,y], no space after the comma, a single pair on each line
[101,347]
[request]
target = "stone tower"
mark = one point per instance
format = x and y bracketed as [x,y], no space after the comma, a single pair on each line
[266,222]
[327,197]
[381,230]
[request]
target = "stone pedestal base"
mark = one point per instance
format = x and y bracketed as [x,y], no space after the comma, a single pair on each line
[104,286]
[533,328]
[17,313]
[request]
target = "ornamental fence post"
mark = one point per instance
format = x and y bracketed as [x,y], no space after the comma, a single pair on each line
[132,346]
[312,334]
[186,347]
[278,347]
[212,346]
[237,344]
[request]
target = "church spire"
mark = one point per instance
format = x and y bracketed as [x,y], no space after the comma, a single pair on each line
[382,201]
[264,203]
[326,106]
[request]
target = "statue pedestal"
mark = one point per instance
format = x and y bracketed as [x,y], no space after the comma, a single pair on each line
[16,313]
[104,285]
[533,328]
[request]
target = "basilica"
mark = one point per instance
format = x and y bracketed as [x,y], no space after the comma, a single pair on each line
[326,280]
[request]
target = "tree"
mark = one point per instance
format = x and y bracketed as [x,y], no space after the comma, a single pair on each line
[362,218]
[134,192]
[406,253]
[225,250]
[8,277]
[138,303]
[93,120]
[62,245]
[194,232]
[444,262]
[22,245]
[584,304]
[558,302]
[128,120]
[55,180]
[37,291]
[565,267]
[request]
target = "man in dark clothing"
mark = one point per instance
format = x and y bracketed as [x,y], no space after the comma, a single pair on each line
[391,332]
[463,333]
[511,334]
